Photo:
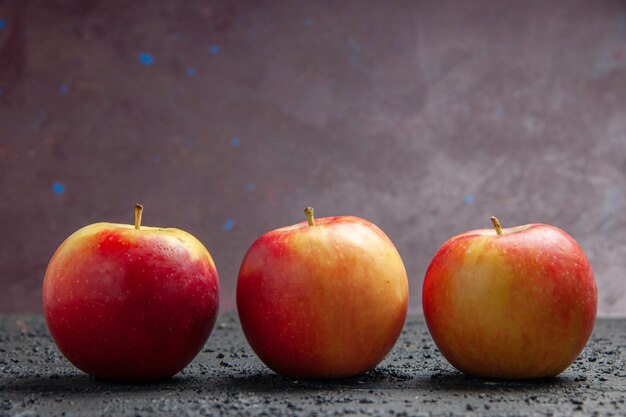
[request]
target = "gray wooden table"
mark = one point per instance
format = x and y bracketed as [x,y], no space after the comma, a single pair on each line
[227,379]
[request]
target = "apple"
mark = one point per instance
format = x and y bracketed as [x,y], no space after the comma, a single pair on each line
[325,298]
[130,303]
[511,303]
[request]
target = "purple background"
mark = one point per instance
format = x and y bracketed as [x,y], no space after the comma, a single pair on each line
[225,119]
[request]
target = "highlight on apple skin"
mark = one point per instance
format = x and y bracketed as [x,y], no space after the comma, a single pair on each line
[325,298]
[130,303]
[513,303]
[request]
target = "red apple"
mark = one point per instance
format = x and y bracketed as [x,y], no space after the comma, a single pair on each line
[130,303]
[325,298]
[510,303]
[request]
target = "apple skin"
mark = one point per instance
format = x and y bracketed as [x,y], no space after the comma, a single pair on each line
[322,301]
[130,305]
[514,306]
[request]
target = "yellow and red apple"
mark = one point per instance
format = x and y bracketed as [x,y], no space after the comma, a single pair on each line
[130,303]
[325,298]
[510,303]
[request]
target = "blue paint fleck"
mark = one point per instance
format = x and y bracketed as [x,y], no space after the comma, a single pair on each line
[228,225]
[64,89]
[250,187]
[146,59]
[597,71]
[214,49]
[3,24]
[156,159]
[621,26]
[191,71]
[469,199]
[235,142]
[308,22]
[354,53]
[58,188]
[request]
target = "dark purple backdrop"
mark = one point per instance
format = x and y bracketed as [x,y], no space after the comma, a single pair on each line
[226,118]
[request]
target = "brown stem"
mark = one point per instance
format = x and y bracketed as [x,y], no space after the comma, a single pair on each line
[309,216]
[138,212]
[496,224]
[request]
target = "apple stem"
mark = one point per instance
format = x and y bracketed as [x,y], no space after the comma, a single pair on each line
[309,216]
[138,212]
[496,224]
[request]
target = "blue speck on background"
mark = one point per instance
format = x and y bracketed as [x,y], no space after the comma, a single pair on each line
[156,159]
[146,59]
[191,71]
[250,187]
[621,26]
[3,24]
[214,49]
[308,22]
[469,199]
[64,89]
[228,225]
[58,188]
[235,142]
[354,52]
